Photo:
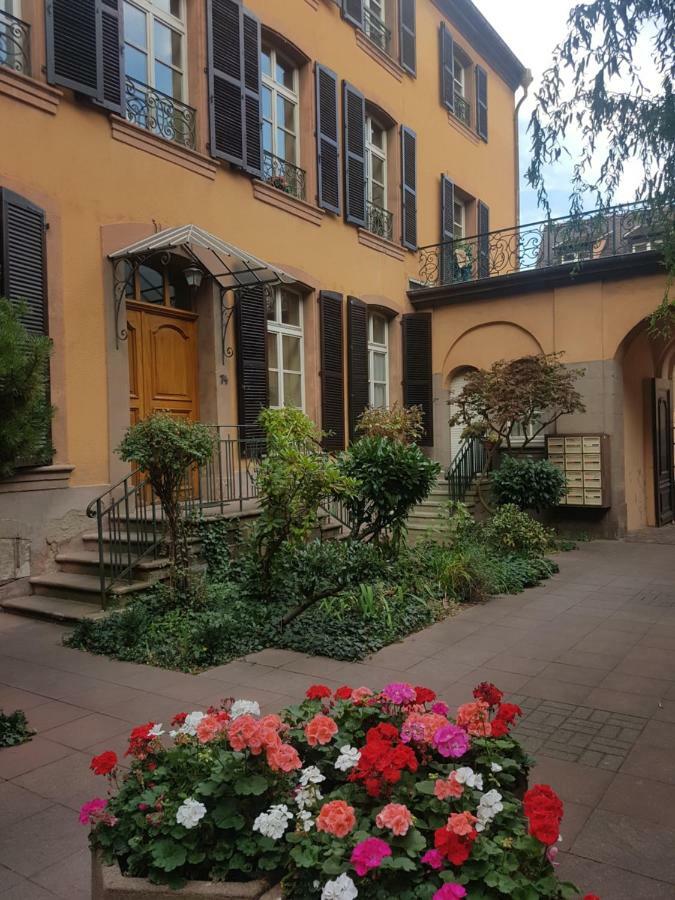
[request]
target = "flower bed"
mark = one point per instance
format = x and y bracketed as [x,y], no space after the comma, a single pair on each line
[350,794]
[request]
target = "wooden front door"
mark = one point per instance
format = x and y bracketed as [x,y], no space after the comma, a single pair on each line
[662,437]
[162,362]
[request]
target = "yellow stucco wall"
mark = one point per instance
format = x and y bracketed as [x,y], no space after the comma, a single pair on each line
[70,164]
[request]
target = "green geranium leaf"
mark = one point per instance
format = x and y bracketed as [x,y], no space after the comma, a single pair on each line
[252,784]
[168,855]
[413,842]
[225,815]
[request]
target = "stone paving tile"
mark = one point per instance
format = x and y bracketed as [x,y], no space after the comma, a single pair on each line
[67,781]
[16,803]
[519,665]
[610,882]
[86,731]
[573,782]
[27,757]
[41,840]
[586,675]
[633,704]
[25,889]
[642,798]
[68,878]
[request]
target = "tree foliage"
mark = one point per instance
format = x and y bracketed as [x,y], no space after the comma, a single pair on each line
[594,86]
[532,392]
[528,483]
[25,411]
[400,423]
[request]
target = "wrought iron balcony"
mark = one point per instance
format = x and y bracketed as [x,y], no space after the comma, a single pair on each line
[14,43]
[569,240]
[161,114]
[284,175]
[376,30]
[379,221]
[462,109]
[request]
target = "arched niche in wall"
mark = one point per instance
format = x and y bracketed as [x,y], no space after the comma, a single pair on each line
[483,345]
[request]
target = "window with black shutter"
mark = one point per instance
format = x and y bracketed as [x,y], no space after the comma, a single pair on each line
[417,369]
[352,11]
[407,35]
[446,261]
[112,44]
[447,66]
[327,142]
[332,370]
[483,240]
[252,90]
[354,142]
[357,361]
[409,188]
[253,392]
[481,103]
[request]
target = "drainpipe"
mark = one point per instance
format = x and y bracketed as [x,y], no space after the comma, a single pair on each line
[525,84]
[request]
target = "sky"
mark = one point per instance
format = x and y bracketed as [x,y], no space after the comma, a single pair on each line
[532,28]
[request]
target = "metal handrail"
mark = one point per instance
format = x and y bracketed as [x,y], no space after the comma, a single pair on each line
[462,109]
[379,221]
[375,29]
[468,464]
[14,44]
[283,175]
[160,113]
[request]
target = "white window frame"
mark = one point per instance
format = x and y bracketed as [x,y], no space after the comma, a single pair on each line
[459,84]
[377,349]
[279,329]
[458,223]
[381,153]
[293,96]
[11,7]
[152,13]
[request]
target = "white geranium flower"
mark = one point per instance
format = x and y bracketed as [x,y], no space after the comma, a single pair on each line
[156,730]
[342,888]
[466,775]
[274,822]
[348,758]
[305,820]
[311,775]
[308,796]
[190,813]
[189,726]
[495,767]
[490,804]
[244,708]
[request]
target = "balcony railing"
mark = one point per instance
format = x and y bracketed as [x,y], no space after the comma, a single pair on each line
[570,240]
[376,31]
[284,175]
[14,43]
[161,114]
[462,109]
[379,221]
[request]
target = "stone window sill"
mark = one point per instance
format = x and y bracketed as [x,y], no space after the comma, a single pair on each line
[40,478]
[382,245]
[458,125]
[29,91]
[378,55]
[281,200]
[138,137]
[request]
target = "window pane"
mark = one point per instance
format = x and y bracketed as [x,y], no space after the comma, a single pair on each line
[134,25]
[293,390]
[379,367]
[167,45]
[272,359]
[168,81]
[290,308]
[169,6]
[136,64]
[286,146]
[378,329]
[152,285]
[266,61]
[284,73]
[377,194]
[378,169]
[379,395]
[285,113]
[376,135]
[271,306]
[273,383]
[291,353]
[267,137]
[267,103]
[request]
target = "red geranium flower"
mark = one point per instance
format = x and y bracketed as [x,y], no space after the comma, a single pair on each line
[424,695]
[139,739]
[591,897]
[318,692]
[488,693]
[104,763]
[544,811]
[506,716]
[179,719]
[343,693]
[383,759]
[456,848]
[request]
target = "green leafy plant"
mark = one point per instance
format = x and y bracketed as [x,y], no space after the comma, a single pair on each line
[167,448]
[391,478]
[512,531]
[528,483]
[25,411]
[14,729]
[400,423]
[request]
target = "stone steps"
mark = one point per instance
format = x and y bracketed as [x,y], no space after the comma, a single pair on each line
[55,609]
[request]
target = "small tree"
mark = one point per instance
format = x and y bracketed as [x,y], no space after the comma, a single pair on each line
[528,483]
[400,423]
[532,392]
[166,448]
[25,411]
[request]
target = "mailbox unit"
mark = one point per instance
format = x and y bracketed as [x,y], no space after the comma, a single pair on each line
[584,458]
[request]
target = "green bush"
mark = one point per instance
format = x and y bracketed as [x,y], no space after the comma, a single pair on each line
[511,531]
[400,423]
[14,729]
[25,411]
[528,483]
[391,477]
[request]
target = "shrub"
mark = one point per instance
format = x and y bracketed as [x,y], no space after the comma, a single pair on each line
[400,423]
[14,729]
[25,411]
[512,531]
[528,483]
[391,478]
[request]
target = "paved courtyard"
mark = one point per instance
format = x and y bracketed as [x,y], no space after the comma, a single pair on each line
[590,655]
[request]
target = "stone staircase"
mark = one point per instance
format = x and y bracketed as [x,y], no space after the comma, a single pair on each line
[425,517]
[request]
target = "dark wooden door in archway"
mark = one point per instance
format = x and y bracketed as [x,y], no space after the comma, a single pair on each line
[662,438]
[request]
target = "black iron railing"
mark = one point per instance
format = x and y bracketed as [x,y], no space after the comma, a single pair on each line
[161,114]
[569,240]
[462,109]
[470,462]
[14,43]
[283,175]
[379,221]
[376,30]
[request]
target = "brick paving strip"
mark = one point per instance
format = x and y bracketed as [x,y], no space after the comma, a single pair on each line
[589,655]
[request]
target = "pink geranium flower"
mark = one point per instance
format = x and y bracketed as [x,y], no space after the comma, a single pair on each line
[433,859]
[450,740]
[91,811]
[396,817]
[399,693]
[450,892]
[369,855]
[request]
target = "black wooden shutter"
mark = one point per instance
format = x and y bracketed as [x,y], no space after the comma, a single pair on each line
[252,90]
[327,141]
[354,142]
[447,50]
[481,103]
[112,46]
[352,11]
[357,361]
[74,40]
[23,268]
[409,188]
[483,240]
[253,392]
[332,370]
[417,370]
[447,255]
[407,35]
[226,89]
